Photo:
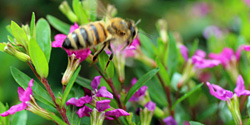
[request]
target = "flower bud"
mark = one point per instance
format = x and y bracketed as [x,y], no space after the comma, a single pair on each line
[96,117]
[162,28]
[233,106]
[12,51]
[65,9]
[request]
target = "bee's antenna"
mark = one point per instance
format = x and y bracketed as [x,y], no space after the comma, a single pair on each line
[138,22]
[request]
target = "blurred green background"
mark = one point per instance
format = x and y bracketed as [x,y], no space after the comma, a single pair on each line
[186,18]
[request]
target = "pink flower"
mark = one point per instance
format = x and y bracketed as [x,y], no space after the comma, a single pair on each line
[169,121]
[227,55]
[184,52]
[102,92]
[79,102]
[139,93]
[95,82]
[84,111]
[150,106]
[224,95]
[200,9]
[24,97]
[117,113]
[247,2]
[247,48]
[199,61]
[102,105]
[129,51]
[59,39]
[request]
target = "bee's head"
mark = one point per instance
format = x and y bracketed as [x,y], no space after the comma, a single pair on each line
[133,30]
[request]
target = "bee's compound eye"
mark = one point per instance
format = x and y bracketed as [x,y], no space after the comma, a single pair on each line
[132,29]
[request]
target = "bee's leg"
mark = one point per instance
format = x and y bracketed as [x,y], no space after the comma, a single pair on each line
[99,51]
[110,57]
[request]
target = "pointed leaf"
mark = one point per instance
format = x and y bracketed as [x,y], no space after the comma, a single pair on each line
[186,95]
[2,46]
[58,24]
[39,93]
[20,118]
[84,82]
[194,47]
[80,12]
[38,59]
[195,123]
[172,60]
[19,34]
[32,26]
[3,120]
[43,37]
[69,86]
[146,43]
[140,83]
[11,39]
[163,72]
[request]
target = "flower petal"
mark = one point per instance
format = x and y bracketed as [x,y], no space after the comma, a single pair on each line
[79,102]
[139,93]
[150,106]
[102,105]
[84,111]
[240,87]
[117,113]
[224,57]
[169,121]
[133,81]
[59,39]
[184,52]
[103,92]
[73,27]
[95,82]
[25,95]
[238,52]
[220,93]
[247,48]
[14,109]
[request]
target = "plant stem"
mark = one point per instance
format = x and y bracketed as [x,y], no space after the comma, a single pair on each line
[243,100]
[167,91]
[62,111]
[110,82]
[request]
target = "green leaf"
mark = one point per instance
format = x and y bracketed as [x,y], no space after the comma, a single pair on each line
[32,26]
[43,37]
[140,83]
[2,46]
[103,59]
[8,28]
[57,119]
[38,59]
[69,86]
[72,115]
[146,43]
[58,24]
[19,118]
[11,39]
[163,73]
[19,34]
[195,123]
[194,47]
[84,82]
[186,95]
[39,93]
[172,56]
[80,12]
[3,120]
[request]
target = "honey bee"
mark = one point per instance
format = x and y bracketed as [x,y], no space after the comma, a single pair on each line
[101,33]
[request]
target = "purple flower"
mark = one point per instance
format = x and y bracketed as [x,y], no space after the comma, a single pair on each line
[199,61]
[223,94]
[79,102]
[103,92]
[139,93]
[24,97]
[212,31]
[184,52]
[169,121]
[247,2]
[102,105]
[150,106]
[59,39]
[84,111]
[95,82]
[117,113]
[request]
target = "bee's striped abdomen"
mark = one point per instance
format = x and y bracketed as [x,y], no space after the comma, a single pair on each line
[86,36]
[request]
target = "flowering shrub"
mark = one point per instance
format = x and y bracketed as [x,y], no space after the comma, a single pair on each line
[151,81]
